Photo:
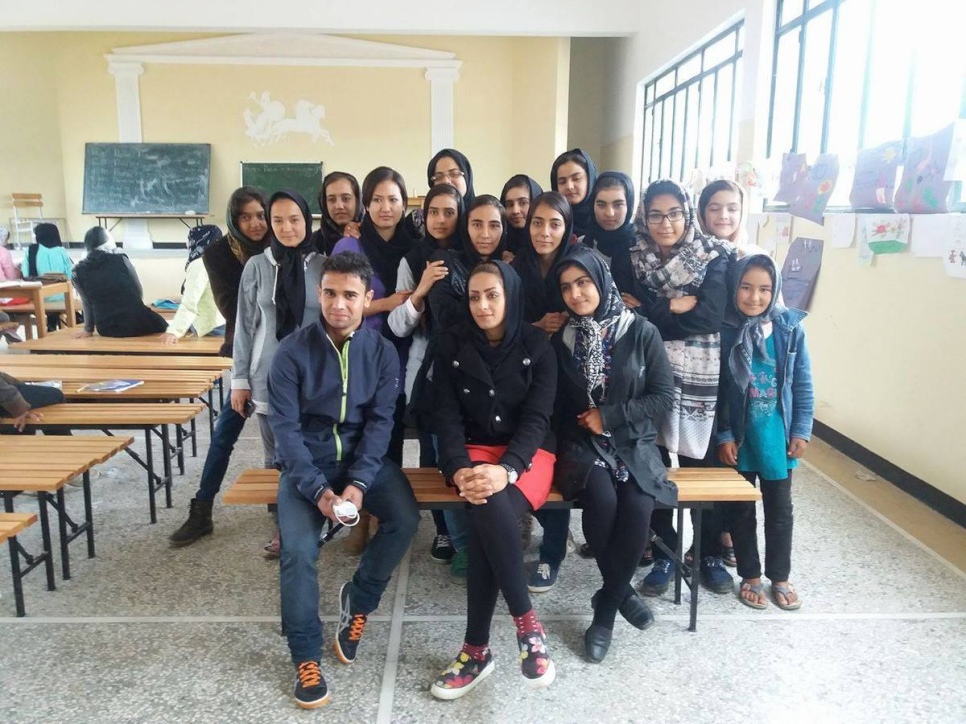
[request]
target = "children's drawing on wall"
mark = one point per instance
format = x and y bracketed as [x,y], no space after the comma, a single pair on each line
[800,272]
[792,178]
[817,188]
[874,184]
[923,189]
[270,124]
[954,251]
[929,234]
[866,255]
[886,233]
[841,230]
[783,228]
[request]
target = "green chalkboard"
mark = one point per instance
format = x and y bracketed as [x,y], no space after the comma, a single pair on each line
[146,178]
[306,178]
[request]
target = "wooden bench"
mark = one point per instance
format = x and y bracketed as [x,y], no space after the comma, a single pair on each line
[153,418]
[12,524]
[698,489]
[63,340]
[44,465]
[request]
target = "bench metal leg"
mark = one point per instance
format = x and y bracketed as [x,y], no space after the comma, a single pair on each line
[89,514]
[168,474]
[696,569]
[15,549]
[61,529]
[149,456]
[179,442]
[679,553]
[45,536]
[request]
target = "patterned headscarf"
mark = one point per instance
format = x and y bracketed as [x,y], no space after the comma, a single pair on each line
[593,337]
[690,256]
[751,336]
[199,237]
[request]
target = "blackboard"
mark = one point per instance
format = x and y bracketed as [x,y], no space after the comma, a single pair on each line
[306,178]
[146,178]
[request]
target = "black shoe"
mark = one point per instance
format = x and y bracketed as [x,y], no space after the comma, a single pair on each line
[634,610]
[351,627]
[585,551]
[198,525]
[596,643]
[311,691]
[442,550]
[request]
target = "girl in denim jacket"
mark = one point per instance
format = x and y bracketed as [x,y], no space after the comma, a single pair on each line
[766,403]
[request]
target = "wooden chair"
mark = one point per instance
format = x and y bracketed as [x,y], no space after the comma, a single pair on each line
[25,225]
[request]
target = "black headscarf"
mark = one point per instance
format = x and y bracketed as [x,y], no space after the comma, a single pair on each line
[325,237]
[464,165]
[542,294]
[513,291]
[48,236]
[584,211]
[588,331]
[462,261]
[290,279]
[199,237]
[241,246]
[621,238]
[384,256]
[424,248]
[516,239]
[750,334]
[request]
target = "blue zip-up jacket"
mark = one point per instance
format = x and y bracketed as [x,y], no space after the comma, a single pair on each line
[793,368]
[332,408]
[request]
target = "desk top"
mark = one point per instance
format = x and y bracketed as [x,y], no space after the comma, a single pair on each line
[63,341]
[129,362]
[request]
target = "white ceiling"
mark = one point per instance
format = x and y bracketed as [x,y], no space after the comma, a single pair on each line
[574,18]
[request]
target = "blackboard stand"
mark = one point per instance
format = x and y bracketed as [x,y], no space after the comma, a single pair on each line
[105,219]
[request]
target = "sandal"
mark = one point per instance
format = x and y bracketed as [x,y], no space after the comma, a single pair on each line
[728,556]
[785,591]
[758,589]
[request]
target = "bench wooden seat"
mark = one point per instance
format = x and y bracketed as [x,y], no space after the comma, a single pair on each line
[176,362]
[153,418]
[11,524]
[45,465]
[40,371]
[63,340]
[698,488]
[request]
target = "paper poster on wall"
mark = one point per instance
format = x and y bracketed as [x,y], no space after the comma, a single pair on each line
[886,233]
[866,256]
[800,272]
[815,192]
[956,166]
[783,228]
[923,189]
[954,251]
[929,234]
[840,230]
[874,184]
[792,177]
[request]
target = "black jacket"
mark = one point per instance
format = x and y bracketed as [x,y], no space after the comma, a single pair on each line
[640,388]
[111,292]
[706,318]
[511,406]
[224,275]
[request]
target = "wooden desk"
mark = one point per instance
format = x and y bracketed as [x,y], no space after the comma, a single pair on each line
[117,361]
[105,219]
[37,306]
[63,341]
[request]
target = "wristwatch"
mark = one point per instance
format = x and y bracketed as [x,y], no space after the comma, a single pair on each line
[511,474]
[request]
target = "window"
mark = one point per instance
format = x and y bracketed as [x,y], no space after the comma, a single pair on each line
[851,74]
[689,110]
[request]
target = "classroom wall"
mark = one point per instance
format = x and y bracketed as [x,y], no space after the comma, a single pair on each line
[375,115]
[587,86]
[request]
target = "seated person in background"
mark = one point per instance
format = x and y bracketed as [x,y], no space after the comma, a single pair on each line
[332,393]
[19,400]
[8,270]
[47,256]
[197,309]
[111,292]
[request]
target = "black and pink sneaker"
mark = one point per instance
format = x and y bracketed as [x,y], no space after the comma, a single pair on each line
[461,676]
[535,662]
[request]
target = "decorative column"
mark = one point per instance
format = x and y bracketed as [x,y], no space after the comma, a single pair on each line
[441,82]
[128,89]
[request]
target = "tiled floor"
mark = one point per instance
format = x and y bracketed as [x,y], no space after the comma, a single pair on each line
[146,633]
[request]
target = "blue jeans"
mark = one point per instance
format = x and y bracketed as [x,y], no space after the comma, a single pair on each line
[556,525]
[228,426]
[390,499]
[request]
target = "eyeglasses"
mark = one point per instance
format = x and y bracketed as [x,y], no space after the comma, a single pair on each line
[655,217]
[454,175]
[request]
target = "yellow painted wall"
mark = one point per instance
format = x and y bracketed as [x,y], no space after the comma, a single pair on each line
[586,107]
[376,116]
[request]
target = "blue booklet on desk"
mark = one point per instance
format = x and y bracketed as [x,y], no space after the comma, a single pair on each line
[110,386]
[165,304]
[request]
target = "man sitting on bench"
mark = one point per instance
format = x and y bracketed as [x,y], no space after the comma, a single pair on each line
[332,393]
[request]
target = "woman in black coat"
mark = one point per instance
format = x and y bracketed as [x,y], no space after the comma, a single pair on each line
[495,378]
[614,380]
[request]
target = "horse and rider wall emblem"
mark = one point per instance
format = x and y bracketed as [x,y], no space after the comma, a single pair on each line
[271,122]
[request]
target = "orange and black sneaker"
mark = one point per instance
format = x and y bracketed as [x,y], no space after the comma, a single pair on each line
[351,627]
[311,691]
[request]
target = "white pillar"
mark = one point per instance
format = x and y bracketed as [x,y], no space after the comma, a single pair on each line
[128,88]
[441,82]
